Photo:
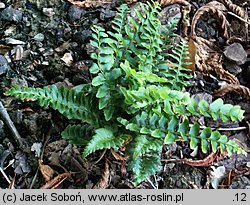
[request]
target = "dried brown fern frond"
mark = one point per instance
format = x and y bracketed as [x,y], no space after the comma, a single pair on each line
[170,2]
[238,12]
[216,8]
[235,9]
[89,3]
[207,60]
[233,88]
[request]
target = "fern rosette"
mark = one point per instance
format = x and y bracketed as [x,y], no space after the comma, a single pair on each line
[136,95]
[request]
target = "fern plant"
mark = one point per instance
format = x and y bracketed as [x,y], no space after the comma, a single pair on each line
[136,95]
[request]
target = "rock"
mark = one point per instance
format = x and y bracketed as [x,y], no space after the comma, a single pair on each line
[2,5]
[232,67]
[81,36]
[4,66]
[10,14]
[18,82]
[236,53]
[75,13]
[2,134]
[39,37]
[107,14]
[48,12]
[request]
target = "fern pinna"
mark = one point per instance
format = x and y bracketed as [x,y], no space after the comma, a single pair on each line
[136,95]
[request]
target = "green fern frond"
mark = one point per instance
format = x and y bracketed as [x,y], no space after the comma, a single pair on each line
[178,102]
[169,130]
[103,139]
[72,104]
[120,20]
[145,144]
[144,167]
[177,73]
[78,134]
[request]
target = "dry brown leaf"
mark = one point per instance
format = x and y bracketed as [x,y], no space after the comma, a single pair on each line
[235,88]
[104,181]
[46,170]
[241,12]
[88,3]
[207,60]
[216,8]
[123,168]
[4,49]
[118,157]
[234,173]
[216,64]
[54,183]
[191,55]
[12,183]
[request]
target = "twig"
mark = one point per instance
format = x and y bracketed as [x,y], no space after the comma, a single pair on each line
[102,155]
[223,128]
[151,183]
[5,176]
[5,116]
[233,14]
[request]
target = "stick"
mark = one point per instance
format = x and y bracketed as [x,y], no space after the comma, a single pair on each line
[5,116]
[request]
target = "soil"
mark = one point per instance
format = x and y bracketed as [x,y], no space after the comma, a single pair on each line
[45,42]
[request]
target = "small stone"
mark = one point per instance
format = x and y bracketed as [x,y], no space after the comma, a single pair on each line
[75,13]
[2,5]
[10,14]
[107,14]
[232,67]
[19,82]
[236,53]
[4,66]
[39,37]
[48,12]
[81,36]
